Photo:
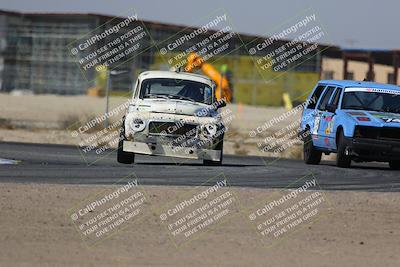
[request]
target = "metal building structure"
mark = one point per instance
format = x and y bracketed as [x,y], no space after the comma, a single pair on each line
[34,54]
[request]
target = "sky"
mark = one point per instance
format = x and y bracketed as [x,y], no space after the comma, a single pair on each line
[369,24]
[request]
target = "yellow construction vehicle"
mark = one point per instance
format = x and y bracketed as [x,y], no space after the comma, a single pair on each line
[223,90]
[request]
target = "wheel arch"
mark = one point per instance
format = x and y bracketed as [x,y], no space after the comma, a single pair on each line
[339,130]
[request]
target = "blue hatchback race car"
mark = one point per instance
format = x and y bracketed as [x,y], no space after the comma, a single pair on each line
[359,121]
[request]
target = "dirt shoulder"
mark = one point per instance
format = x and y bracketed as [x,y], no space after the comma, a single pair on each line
[357,229]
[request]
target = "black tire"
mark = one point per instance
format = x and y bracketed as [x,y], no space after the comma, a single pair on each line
[342,160]
[311,155]
[220,146]
[122,156]
[394,164]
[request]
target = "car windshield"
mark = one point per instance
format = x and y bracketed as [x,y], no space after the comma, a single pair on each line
[372,99]
[177,89]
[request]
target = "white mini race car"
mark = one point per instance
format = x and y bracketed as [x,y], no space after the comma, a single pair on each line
[173,114]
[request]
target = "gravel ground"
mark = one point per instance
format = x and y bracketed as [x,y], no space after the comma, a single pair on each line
[357,229]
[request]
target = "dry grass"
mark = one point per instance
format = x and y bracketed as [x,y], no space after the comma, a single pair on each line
[6,124]
[70,122]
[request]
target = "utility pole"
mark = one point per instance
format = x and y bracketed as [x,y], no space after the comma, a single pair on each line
[107,97]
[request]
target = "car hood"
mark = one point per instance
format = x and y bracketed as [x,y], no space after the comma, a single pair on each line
[381,119]
[172,106]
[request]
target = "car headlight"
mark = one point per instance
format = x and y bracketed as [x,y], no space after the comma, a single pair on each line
[205,112]
[209,130]
[138,125]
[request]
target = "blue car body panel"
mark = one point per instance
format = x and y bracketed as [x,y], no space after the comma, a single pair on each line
[324,125]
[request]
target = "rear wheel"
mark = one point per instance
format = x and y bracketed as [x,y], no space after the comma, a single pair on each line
[343,160]
[394,164]
[310,153]
[122,156]
[220,147]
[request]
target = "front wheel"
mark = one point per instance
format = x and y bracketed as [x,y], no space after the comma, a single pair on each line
[394,164]
[343,160]
[310,154]
[220,147]
[122,156]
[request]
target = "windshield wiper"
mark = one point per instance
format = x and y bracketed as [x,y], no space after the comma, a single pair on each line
[156,96]
[181,97]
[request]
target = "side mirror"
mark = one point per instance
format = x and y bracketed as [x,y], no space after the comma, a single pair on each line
[221,103]
[331,108]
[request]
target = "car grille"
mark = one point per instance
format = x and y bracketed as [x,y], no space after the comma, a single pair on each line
[384,133]
[172,128]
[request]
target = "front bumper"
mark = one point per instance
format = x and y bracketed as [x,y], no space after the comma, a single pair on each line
[374,149]
[158,149]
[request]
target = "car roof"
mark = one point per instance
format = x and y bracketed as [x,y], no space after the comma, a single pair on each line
[351,83]
[175,75]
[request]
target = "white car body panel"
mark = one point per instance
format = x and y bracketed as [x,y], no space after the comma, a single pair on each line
[172,111]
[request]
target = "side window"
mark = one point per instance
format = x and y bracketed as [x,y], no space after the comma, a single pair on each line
[327,95]
[137,89]
[314,98]
[336,97]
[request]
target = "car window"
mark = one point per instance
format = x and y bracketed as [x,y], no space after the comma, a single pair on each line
[314,98]
[176,89]
[336,97]
[136,89]
[375,99]
[327,95]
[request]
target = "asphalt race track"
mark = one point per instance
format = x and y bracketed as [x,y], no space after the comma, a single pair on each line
[43,163]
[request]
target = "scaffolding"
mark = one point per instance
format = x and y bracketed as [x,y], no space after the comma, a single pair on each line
[35,55]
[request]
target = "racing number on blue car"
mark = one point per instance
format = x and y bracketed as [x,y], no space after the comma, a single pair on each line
[317,122]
